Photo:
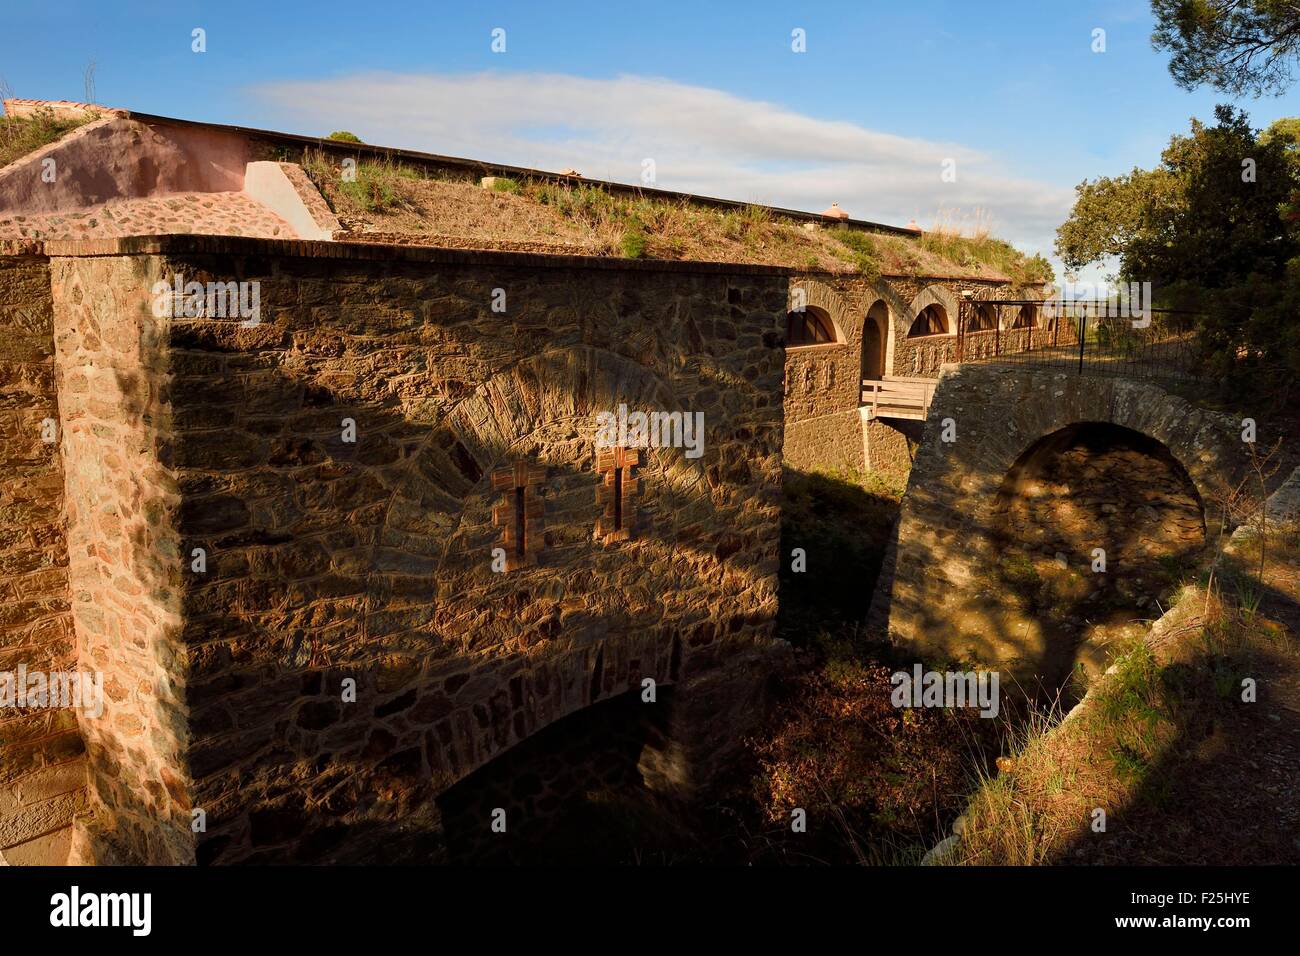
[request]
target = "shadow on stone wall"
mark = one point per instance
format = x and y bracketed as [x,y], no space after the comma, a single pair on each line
[573,793]
[330,561]
[1026,578]
[842,529]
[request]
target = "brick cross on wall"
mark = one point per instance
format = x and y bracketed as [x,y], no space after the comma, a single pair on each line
[520,515]
[617,492]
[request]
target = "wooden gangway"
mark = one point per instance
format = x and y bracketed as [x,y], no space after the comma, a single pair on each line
[897,396]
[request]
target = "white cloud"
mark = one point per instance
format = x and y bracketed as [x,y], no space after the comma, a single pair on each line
[702,141]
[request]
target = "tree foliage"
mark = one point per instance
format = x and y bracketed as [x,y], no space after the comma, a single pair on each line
[1214,227]
[1237,46]
[1216,221]
[1108,214]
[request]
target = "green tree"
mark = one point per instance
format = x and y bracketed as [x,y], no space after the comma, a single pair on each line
[1213,229]
[1208,214]
[1218,221]
[1108,214]
[1237,46]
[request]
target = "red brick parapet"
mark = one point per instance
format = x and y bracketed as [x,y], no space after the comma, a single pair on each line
[61,109]
[213,213]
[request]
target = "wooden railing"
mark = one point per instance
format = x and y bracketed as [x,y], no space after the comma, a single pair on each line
[898,397]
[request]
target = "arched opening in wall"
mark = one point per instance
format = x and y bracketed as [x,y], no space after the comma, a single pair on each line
[873,341]
[1026,318]
[579,791]
[812,326]
[1096,526]
[932,320]
[984,318]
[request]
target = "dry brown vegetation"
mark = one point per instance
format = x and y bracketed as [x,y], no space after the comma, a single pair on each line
[1186,771]
[20,135]
[877,783]
[394,199]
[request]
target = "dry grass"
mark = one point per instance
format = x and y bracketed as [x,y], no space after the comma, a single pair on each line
[968,242]
[390,199]
[1031,812]
[22,135]
[1139,737]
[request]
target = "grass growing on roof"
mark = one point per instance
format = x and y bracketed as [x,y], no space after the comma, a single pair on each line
[414,199]
[20,135]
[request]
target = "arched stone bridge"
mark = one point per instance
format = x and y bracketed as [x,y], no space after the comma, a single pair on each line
[945,576]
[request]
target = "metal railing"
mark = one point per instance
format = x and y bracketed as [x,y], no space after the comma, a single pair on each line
[1086,337]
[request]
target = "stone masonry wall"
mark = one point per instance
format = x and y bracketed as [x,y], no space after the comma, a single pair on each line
[935,590]
[372,560]
[42,770]
[831,441]
[823,383]
[125,559]
[891,446]
[823,386]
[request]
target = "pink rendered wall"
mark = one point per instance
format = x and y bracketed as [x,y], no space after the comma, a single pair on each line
[116,158]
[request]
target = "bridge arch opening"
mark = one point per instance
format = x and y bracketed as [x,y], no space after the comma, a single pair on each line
[932,320]
[1096,524]
[591,787]
[874,337]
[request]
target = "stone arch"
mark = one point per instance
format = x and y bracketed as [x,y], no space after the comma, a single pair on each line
[896,309]
[563,770]
[1034,453]
[941,581]
[812,326]
[931,320]
[1025,317]
[984,317]
[877,341]
[933,295]
[1091,517]
[821,296]
[1095,437]
[527,647]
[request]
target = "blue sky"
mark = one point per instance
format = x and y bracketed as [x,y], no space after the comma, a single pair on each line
[712,92]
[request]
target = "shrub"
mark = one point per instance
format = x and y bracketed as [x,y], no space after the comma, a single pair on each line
[376,186]
[634,241]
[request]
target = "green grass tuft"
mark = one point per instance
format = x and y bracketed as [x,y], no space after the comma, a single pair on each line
[634,241]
